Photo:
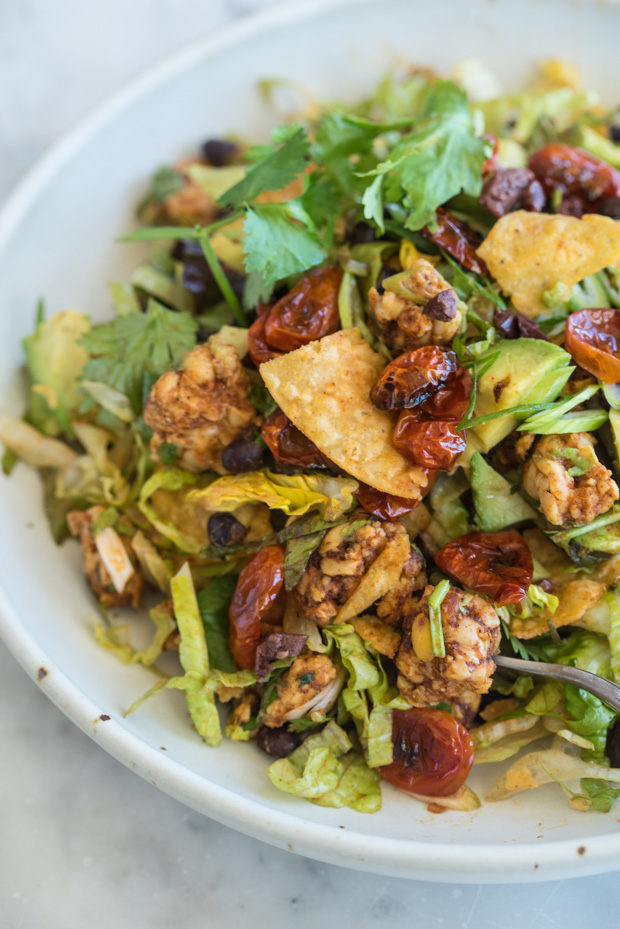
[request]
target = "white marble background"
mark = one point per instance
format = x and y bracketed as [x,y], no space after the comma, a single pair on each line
[83,841]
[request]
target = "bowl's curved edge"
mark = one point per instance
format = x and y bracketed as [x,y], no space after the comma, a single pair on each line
[393,857]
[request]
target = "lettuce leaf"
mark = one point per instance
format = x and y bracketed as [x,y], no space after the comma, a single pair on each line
[171,479]
[213,603]
[328,771]
[294,494]
[116,639]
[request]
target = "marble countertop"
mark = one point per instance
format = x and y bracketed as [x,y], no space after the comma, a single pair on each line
[83,841]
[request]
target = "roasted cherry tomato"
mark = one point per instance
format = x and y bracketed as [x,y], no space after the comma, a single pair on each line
[383,506]
[498,564]
[458,240]
[289,446]
[411,378]
[258,586]
[449,404]
[585,181]
[308,312]
[258,347]
[593,339]
[433,753]
[427,442]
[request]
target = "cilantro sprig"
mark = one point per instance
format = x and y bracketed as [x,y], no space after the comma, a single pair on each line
[280,238]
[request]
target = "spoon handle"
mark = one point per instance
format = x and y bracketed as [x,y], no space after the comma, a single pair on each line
[605,690]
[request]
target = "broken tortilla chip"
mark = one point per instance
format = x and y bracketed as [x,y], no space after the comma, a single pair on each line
[324,388]
[381,576]
[527,253]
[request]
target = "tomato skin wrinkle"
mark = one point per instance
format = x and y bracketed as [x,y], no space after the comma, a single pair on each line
[458,240]
[498,564]
[259,349]
[584,179]
[433,753]
[290,447]
[383,506]
[308,312]
[258,586]
[426,435]
[413,377]
[593,339]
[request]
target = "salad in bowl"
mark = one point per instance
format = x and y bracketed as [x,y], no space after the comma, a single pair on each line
[353,430]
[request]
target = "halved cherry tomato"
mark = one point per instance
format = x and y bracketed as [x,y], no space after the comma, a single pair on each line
[450,402]
[585,180]
[426,442]
[433,753]
[458,240]
[308,312]
[411,378]
[383,506]
[593,339]
[290,447]
[258,586]
[498,564]
[426,435]
[258,347]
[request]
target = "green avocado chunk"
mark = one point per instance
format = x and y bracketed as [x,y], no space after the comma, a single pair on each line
[495,506]
[526,371]
[54,361]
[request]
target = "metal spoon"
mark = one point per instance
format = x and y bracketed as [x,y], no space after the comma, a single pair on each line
[605,690]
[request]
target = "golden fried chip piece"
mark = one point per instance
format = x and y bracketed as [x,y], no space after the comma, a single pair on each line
[382,575]
[576,597]
[324,388]
[527,253]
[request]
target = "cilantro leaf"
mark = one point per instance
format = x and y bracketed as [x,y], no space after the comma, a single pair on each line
[275,245]
[436,160]
[136,349]
[277,168]
[345,148]
[213,603]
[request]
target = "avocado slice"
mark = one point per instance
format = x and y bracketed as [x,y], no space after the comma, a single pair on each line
[54,361]
[526,371]
[495,506]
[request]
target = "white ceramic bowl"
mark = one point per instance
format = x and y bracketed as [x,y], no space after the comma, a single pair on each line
[57,240]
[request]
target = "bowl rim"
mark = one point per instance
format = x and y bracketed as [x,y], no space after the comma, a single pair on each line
[402,857]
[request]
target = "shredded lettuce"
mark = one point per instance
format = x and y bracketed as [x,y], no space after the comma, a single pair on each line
[294,494]
[612,598]
[328,771]
[171,479]
[116,639]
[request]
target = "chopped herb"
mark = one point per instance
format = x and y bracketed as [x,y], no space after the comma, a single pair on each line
[277,165]
[131,347]
[213,603]
[104,520]
[9,460]
[167,453]
[305,724]
[305,679]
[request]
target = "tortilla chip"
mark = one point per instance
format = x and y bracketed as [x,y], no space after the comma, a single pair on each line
[527,253]
[576,597]
[324,388]
[382,575]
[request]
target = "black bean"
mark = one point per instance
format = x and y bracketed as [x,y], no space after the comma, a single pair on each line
[219,152]
[277,742]
[614,133]
[613,745]
[442,307]
[383,274]
[361,234]
[224,529]
[242,455]
[508,188]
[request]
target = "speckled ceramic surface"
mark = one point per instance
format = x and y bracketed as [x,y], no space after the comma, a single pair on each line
[56,239]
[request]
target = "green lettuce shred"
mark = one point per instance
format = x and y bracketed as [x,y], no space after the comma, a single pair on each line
[326,770]
[294,494]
